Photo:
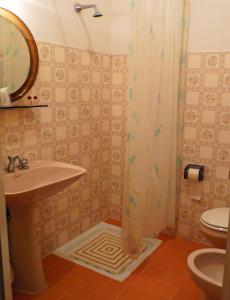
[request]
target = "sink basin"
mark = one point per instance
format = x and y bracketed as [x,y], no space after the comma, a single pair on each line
[42,179]
[23,190]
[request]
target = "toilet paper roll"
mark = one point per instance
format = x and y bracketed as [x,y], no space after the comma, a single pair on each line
[195,186]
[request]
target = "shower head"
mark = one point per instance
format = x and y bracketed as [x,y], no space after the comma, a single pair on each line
[97,13]
[79,7]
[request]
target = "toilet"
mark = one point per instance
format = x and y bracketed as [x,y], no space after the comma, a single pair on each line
[214,225]
[206,267]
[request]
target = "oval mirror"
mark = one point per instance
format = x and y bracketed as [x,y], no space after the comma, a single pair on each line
[18,55]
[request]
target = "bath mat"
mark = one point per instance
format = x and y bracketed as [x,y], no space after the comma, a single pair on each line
[100,249]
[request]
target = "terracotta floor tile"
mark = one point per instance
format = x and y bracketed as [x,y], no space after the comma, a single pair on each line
[165,237]
[111,290]
[50,294]
[19,296]
[52,276]
[183,246]
[150,283]
[114,222]
[189,291]
[136,273]
[68,297]
[54,271]
[65,283]
[162,276]
[88,277]
[75,270]
[82,291]
[138,294]
[55,261]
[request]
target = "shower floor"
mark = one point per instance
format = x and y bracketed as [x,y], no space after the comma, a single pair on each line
[100,249]
[162,276]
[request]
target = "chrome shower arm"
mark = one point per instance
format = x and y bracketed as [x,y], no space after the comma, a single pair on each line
[80,7]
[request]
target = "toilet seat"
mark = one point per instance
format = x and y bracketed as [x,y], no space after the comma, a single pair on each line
[216,219]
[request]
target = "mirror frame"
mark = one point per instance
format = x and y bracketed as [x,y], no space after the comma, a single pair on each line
[33,51]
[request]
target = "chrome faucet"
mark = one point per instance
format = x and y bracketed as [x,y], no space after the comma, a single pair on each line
[23,163]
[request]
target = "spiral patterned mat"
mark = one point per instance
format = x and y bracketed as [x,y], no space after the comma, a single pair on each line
[100,249]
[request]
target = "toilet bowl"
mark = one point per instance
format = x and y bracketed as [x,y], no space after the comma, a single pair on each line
[206,267]
[214,225]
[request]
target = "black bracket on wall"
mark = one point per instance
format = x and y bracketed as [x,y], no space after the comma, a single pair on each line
[192,166]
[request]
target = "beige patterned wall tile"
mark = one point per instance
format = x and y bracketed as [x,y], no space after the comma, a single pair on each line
[45,94]
[210,99]
[225,118]
[73,75]
[30,117]
[61,133]
[206,110]
[208,117]
[59,75]
[190,133]
[73,56]
[211,80]
[225,100]
[85,58]
[224,137]
[44,52]
[46,116]
[189,151]
[223,155]
[76,128]
[193,80]
[207,135]
[191,116]
[12,139]
[206,152]
[13,119]
[73,113]
[212,60]
[86,94]
[117,78]
[45,73]
[96,77]
[194,61]
[226,81]
[222,172]
[193,97]
[106,61]
[227,60]
[60,55]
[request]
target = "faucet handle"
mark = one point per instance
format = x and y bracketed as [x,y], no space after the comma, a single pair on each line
[11,164]
[23,163]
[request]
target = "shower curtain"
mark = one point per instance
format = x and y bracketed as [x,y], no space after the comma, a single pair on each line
[155,103]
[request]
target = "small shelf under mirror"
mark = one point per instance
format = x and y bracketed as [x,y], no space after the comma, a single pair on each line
[15,106]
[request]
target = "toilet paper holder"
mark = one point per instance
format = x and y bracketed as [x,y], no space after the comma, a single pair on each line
[192,166]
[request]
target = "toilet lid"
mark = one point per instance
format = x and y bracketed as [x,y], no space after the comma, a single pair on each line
[216,218]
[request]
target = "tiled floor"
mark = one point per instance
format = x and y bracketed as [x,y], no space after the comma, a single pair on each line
[162,276]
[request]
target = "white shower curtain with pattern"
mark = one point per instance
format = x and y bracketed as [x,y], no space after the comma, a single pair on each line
[157,29]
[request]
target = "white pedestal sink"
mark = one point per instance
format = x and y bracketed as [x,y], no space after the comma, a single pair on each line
[22,191]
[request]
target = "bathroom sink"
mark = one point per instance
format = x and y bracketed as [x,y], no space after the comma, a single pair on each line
[24,189]
[42,179]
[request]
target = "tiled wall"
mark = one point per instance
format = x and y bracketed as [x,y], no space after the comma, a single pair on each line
[1,67]
[206,136]
[84,124]
[118,133]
